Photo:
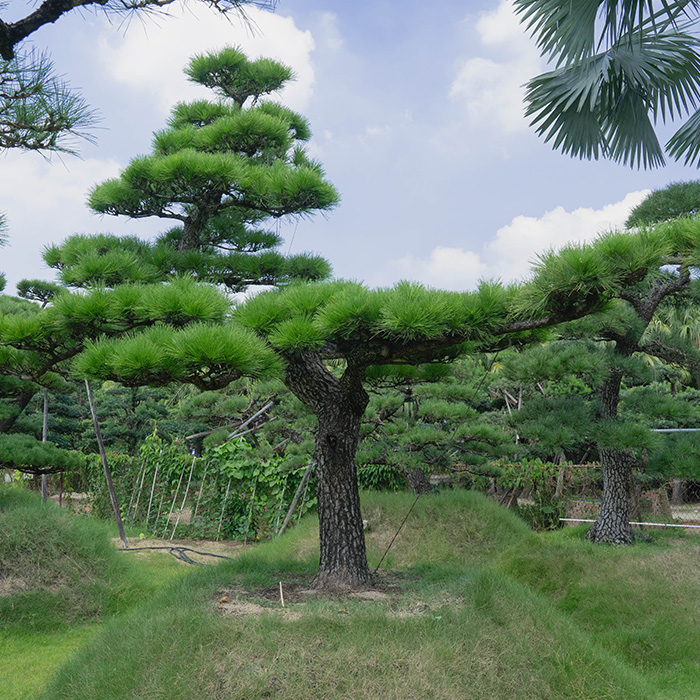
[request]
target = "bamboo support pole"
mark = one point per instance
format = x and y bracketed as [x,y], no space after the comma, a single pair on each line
[223,508]
[281,504]
[184,498]
[44,438]
[268,405]
[160,508]
[250,512]
[201,489]
[295,500]
[172,505]
[303,500]
[150,500]
[105,466]
[135,490]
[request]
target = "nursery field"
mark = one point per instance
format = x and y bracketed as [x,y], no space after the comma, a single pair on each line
[469,603]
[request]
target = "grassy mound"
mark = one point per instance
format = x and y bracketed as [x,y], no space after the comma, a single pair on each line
[470,604]
[446,626]
[641,603]
[57,569]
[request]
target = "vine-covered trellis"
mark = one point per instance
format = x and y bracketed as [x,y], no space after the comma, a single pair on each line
[229,493]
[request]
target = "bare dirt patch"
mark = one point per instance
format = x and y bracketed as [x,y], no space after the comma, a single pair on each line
[389,594]
[9,585]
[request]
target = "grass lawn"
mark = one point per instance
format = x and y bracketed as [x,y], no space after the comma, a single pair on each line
[469,604]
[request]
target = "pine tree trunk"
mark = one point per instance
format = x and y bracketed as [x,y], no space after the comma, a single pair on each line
[343,561]
[677,492]
[339,405]
[612,525]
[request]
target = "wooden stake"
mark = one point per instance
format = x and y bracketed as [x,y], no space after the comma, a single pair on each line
[105,466]
[281,594]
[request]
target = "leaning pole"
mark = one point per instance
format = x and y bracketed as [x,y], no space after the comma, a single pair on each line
[108,474]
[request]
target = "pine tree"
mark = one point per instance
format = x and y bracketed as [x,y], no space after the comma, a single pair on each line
[300,329]
[624,334]
[222,169]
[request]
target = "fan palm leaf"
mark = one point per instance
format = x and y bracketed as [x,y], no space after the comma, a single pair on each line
[620,67]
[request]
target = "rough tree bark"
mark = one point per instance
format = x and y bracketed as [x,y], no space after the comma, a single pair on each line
[612,525]
[339,404]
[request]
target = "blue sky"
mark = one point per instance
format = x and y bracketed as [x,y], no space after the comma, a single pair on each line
[416,110]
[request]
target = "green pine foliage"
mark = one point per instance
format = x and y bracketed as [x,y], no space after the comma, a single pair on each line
[221,171]
[205,355]
[26,453]
[674,200]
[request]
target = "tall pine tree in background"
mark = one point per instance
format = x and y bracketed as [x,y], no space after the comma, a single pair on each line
[221,171]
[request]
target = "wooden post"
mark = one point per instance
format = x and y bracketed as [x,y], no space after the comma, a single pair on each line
[105,465]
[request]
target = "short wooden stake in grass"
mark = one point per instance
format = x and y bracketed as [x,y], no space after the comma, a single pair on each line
[105,465]
[281,594]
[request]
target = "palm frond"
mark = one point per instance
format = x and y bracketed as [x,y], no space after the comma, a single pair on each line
[621,65]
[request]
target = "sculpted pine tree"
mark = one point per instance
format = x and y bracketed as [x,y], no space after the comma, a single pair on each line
[220,170]
[625,333]
[638,335]
[301,328]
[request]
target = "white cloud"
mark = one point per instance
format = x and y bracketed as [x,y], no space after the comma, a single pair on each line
[508,256]
[330,34]
[446,268]
[376,131]
[517,245]
[45,202]
[487,90]
[151,58]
